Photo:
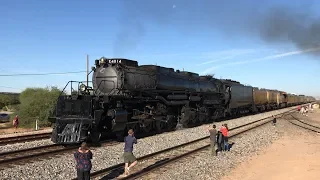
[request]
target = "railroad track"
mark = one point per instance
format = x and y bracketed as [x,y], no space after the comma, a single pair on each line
[310,127]
[36,153]
[158,159]
[40,152]
[25,138]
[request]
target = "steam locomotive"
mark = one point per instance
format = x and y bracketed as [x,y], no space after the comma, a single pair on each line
[149,98]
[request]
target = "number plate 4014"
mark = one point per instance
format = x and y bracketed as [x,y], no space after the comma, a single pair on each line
[115,61]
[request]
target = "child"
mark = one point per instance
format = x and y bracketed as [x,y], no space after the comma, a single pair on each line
[220,142]
[83,157]
[274,121]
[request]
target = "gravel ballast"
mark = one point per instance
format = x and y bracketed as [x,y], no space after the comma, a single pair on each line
[63,167]
[25,145]
[204,166]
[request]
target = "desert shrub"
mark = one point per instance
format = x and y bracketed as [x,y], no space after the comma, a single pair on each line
[37,103]
[8,99]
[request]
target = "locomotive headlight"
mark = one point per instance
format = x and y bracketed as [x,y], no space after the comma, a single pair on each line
[102,61]
[83,87]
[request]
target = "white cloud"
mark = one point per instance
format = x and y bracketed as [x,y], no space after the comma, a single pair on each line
[262,59]
[230,54]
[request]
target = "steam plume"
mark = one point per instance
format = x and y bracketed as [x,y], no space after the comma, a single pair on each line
[232,18]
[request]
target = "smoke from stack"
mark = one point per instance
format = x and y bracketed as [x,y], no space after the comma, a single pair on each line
[288,26]
[252,19]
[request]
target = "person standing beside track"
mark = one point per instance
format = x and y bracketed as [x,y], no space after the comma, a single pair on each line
[16,123]
[213,140]
[225,130]
[220,141]
[83,157]
[274,120]
[128,156]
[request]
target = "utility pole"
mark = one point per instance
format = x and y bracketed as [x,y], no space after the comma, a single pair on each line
[87,70]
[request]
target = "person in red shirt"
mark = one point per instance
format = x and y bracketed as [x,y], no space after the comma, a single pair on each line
[16,123]
[225,131]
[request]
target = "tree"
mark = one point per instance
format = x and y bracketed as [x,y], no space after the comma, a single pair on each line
[37,103]
[8,99]
[210,75]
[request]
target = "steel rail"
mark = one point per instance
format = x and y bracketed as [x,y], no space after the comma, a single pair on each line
[33,153]
[171,160]
[305,123]
[23,138]
[304,127]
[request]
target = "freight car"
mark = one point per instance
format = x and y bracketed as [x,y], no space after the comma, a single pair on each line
[150,99]
[260,98]
[282,99]
[291,99]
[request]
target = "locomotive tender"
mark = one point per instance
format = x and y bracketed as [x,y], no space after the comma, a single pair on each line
[149,98]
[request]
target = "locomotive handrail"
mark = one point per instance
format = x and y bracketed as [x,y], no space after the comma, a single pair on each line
[79,82]
[55,109]
[63,90]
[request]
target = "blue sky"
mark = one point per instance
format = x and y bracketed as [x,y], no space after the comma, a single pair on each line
[200,36]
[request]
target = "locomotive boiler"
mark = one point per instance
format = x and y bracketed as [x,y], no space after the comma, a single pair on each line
[146,98]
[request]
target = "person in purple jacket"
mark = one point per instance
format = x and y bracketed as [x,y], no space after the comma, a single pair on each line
[83,158]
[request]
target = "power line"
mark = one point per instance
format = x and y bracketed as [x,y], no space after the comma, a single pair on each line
[42,74]
[9,87]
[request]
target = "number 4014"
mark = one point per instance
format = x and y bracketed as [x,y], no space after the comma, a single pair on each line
[115,61]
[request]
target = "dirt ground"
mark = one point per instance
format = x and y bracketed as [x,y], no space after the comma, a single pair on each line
[7,128]
[314,116]
[294,156]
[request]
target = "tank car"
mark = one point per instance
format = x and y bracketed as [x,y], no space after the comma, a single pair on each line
[146,98]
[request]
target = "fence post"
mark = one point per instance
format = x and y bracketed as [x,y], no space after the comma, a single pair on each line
[37,128]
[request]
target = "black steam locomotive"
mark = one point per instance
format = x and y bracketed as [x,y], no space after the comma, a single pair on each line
[146,98]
